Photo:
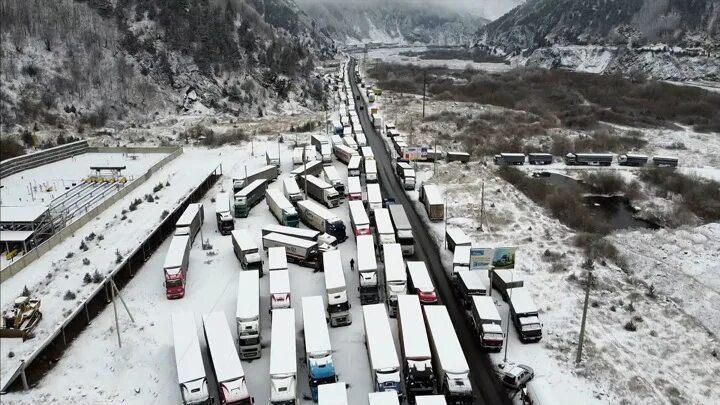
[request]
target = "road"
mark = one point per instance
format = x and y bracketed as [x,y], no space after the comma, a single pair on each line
[486,386]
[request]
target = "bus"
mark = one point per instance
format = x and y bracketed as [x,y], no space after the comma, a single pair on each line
[188,360]
[318,350]
[359,218]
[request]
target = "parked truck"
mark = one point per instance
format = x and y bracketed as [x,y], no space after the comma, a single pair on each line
[283,358]
[269,173]
[504,281]
[249,197]
[540,158]
[338,306]
[280,294]
[406,173]
[325,241]
[354,166]
[456,237]
[303,252]
[192,379]
[344,153]
[403,229]
[318,141]
[281,208]
[487,322]
[314,168]
[371,172]
[395,276]
[190,221]
[462,157]
[431,198]
[298,154]
[246,251]
[320,218]
[414,348]
[176,266]
[384,364]
[318,350]
[354,189]
[631,159]
[589,159]
[223,216]
[291,190]
[524,314]
[247,315]
[272,158]
[320,190]
[332,177]
[514,159]
[367,270]
[471,283]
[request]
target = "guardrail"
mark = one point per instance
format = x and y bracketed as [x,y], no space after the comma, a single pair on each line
[60,236]
[43,157]
[33,368]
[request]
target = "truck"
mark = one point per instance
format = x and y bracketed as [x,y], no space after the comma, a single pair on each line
[283,358]
[371,172]
[320,218]
[630,159]
[367,270]
[272,158]
[336,140]
[430,400]
[588,159]
[354,189]
[300,251]
[451,369]
[298,154]
[277,259]
[280,295]
[367,153]
[354,166]
[361,139]
[333,394]
[406,173]
[419,282]
[504,281]
[456,237]
[487,322]
[524,315]
[471,283]
[383,398]
[223,217]
[338,306]
[349,141]
[176,266]
[320,190]
[540,158]
[190,221]
[324,240]
[432,200]
[247,315]
[515,159]
[359,219]
[461,260]
[310,154]
[229,373]
[384,231]
[374,198]
[317,141]
[395,276]
[246,251]
[318,350]
[344,153]
[291,190]
[665,161]
[314,168]
[269,173]
[414,348]
[384,364]
[326,152]
[332,177]
[403,230]
[249,197]
[281,208]
[462,157]
[192,379]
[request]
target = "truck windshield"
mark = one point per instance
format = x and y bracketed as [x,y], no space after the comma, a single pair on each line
[173,283]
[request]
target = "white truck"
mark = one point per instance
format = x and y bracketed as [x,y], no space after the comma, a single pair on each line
[223,215]
[406,173]
[269,173]
[229,374]
[354,166]
[349,141]
[277,258]
[246,251]
[320,190]
[332,176]
[176,266]
[283,358]
[301,251]
[190,221]
[395,276]
[456,237]
[384,364]
[367,153]
[371,172]
[374,198]
[354,189]
[487,322]
[291,190]
[384,231]
[451,368]
[344,153]
[333,394]
[298,154]
[326,153]
[318,217]
[280,295]
[525,315]
[419,282]
[461,261]
[403,230]
[383,398]
[272,158]
[430,400]
[367,270]
[247,314]
[318,140]
[359,219]
[471,283]
[309,153]
[360,138]
[325,242]
[414,348]
[338,306]
[281,208]
[318,350]
[192,379]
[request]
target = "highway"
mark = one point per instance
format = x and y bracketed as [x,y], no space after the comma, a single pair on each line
[486,386]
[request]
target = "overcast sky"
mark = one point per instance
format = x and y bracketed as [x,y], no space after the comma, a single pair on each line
[485,8]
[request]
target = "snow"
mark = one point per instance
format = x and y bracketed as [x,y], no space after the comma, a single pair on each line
[445,341]
[26,213]
[392,55]
[248,296]
[412,323]
[317,338]
[379,338]
[283,347]
[221,347]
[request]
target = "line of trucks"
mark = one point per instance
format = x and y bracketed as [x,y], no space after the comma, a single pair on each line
[585,159]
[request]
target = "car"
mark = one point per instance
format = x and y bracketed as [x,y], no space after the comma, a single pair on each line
[514,376]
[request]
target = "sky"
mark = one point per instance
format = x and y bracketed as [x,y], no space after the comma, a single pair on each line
[490,9]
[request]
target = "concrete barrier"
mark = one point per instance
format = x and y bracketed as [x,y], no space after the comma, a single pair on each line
[43,157]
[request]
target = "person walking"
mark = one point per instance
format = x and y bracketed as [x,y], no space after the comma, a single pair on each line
[352,264]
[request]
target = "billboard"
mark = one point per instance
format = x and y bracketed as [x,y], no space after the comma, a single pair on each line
[411,153]
[504,257]
[481,258]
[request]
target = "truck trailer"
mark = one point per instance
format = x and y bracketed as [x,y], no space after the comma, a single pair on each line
[403,230]
[318,350]
[540,158]
[384,364]
[291,190]
[630,159]
[432,200]
[321,191]
[191,375]
[344,153]
[281,208]
[280,294]
[325,241]
[246,251]
[487,322]
[514,159]
[332,177]
[419,282]
[223,215]
[176,266]
[367,270]
[300,251]
[588,159]
[269,173]
[247,315]
[320,218]
[414,348]
[190,221]
[406,173]
[395,276]
[456,237]
[338,306]
[283,358]
[249,197]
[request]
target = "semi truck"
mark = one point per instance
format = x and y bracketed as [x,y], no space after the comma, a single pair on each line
[419,282]
[229,373]
[190,221]
[249,197]
[281,208]
[367,153]
[280,294]
[300,251]
[524,314]
[384,231]
[487,322]
[588,159]
[367,270]
[246,251]
[504,281]
[431,198]
[456,237]
[462,157]
[332,177]
[354,166]
[395,276]
[515,159]
[359,219]
[665,161]
[317,141]
[338,306]
[361,139]
[349,141]
[383,398]
[461,260]
[333,394]
[403,230]
[283,358]
[320,190]
[272,158]
[406,173]
[374,198]
[384,364]
[277,259]
[298,154]
[371,172]
[310,154]
[344,153]
[291,190]
[414,348]
[320,218]
[176,266]
[192,379]
[223,216]
[325,241]
[318,350]
[269,173]
[630,159]
[314,168]
[540,158]
[471,283]
[354,189]
[247,315]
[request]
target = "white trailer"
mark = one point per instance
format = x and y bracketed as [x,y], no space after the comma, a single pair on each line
[471,283]
[283,358]
[318,217]
[318,350]
[430,400]
[451,368]
[349,141]
[414,348]
[309,153]
[403,230]
[332,176]
[395,276]
[383,398]
[419,282]
[525,315]
[269,173]
[371,173]
[354,189]
[384,231]
[190,221]
[292,190]
[487,322]
[176,266]
[298,155]
[406,173]
[344,153]
[384,364]
[456,237]
[301,251]
[277,258]
[432,200]
[359,219]
[333,394]
[281,208]
[225,362]
[338,306]
[367,270]
[223,215]
[361,139]
[374,198]
[325,242]
[461,260]
[192,378]
[247,314]
[354,166]
[246,251]
[280,295]
[272,158]
[320,190]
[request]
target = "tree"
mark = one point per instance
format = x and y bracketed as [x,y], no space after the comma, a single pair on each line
[10,147]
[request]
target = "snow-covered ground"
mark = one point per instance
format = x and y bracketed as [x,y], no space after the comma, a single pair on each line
[392,55]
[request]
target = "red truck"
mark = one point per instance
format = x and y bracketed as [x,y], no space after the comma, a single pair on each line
[176,266]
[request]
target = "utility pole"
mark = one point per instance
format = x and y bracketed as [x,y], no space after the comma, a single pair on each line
[435,155]
[445,217]
[424,84]
[584,318]
[278,146]
[305,172]
[507,324]
[113,293]
[482,205]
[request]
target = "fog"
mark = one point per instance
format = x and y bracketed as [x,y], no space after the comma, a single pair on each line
[490,9]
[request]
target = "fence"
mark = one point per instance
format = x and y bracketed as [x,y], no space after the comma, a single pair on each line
[37,364]
[58,237]
[33,160]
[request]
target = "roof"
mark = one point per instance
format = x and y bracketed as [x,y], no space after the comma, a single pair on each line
[279,198]
[383,222]
[279,281]
[317,337]
[283,353]
[394,263]
[380,344]
[357,213]
[461,255]
[521,301]
[432,194]
[303,233]
[373,192]
[366,253]
[289,240]
[188,359]
[507,276]
[354,184]
[317,181]
[259,170]
[430,400]
[222,202]
[665,158]
[485,307]
[384,398]
[15,236]
[248,296]
[334,277]
[332,394]
[291,185]
[188,215]
[309,166]
[512,155]
[445,341]
[370,165]
[473,279]
[458,236]
[243,240]
[331,173]
[27,213]
[419,274]
[251,187]
[222,348]
[176,253]
[277,258]
[414,335]
[399,217]
[318,210]
[355,161]
[458,153]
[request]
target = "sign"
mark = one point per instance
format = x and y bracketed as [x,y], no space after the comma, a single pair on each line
[504,258]
[412,153]
[424,152]
[481,258]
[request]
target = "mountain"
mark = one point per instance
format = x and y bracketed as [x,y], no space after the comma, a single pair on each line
[96,62]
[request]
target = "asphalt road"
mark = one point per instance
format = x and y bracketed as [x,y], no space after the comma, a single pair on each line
[486,386]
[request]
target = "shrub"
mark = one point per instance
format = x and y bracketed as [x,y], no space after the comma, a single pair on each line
[87,279]
[164,214]
[701,196]
[118,257]
[97,277]
[149,198]
[651,292]
[26,291]
[630,326]
[69,255]
[83,246]
[206,245]
[158,187]
[69,295]
[86,261]
[90,237]
[124,217]
[630,307]
[10,147]
[605,182]
[100,237]
[134,204]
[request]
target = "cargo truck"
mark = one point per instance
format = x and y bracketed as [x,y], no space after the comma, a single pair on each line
[246,251]
[249,197]
[332,177]
[540,158]
[461,261]
[317,141]
[406,173]
[281,208]
[269,173]
[384,364]
[524,315]
[225,221]
[314,168]
[300,251]
[325,241]
[298,154]
[367,153]
[504,281]
[403,230]
[176,266]
[338,306]
[333,394]
[371,172]
[471,283]
[354,166]
[320,218]
[395,276]
[277,259]
[632,160]
[283,358]
[374,198]
[309,154]
[359,219]
[190,221]
[360,139]
[462,157]
[280,296]
[192,379]
[367,270]
[344,153]
[589,159]
[336,140]
[272,158]
[414,348]
[349,141]
[247,315]
[487,322]
[665,161]
[318,350]
[326,153]
[419,282]
[354,189]
[384,231]
[320,190]
[456,237]
[515,159]
[291,190]
[432,200]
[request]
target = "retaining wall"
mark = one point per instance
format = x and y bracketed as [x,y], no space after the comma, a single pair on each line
[43,157]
